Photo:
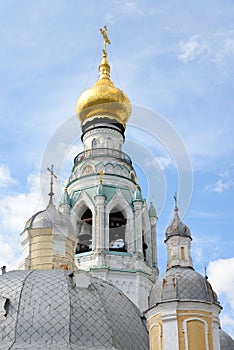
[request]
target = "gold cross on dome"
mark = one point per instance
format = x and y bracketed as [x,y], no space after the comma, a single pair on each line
[105,38]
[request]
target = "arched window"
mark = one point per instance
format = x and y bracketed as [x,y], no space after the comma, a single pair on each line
[196,334]
[144,245]
[94,143]
[117,227]
[87,170]
[156,337]
[133,177]
[85,232]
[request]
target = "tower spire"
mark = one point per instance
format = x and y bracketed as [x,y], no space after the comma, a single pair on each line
[52,176]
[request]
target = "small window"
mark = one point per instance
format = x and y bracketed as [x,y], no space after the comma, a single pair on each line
[182,253]
[94,143]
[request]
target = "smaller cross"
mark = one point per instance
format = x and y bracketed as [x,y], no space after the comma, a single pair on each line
[52,176]
[175,198]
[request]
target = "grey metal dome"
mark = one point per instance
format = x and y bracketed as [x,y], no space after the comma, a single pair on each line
[182,284]
[226,342]
[55,309]
[49,217]
[177,227]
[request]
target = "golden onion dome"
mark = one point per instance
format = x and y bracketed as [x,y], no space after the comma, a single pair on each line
[104,99]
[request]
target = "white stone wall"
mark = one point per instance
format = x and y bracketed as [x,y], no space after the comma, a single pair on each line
[103,138]
[178,249]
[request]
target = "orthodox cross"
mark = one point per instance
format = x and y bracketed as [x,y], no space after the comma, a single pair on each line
[105,38]
[175,198]
[52,176]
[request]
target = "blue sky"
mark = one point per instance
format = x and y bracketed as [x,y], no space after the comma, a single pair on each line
[174,59]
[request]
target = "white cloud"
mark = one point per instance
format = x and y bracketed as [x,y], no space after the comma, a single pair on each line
[227,321]
[215,47]
[17,208]
[220,186]
[192,49]
[221,275]
[7,254]
[224,183]
[5,176]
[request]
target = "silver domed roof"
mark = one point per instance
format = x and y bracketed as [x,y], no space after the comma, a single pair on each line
[226,342]
[55,309]
[177,227]
[49,217]
[182,284]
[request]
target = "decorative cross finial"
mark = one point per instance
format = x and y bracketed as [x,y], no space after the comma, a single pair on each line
[105,38]
[101,176]
[52,176]
[175,198]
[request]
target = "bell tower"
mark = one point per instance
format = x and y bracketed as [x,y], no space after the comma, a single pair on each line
[116,233]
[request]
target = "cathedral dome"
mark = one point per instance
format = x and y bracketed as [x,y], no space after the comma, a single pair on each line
[177,227]
[226,342]
[182,284]
[49,217]
[104,99]
[56,309]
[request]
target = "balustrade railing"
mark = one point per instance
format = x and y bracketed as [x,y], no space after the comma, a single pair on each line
[102,152]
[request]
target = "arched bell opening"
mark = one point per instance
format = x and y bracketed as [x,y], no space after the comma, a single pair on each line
[117,231]
[84,243]
[144,245]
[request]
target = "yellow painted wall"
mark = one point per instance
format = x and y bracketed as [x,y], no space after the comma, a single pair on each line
[70,250]
[195,329]
[196,335]
[41,251]
[40,248]
[155,328]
